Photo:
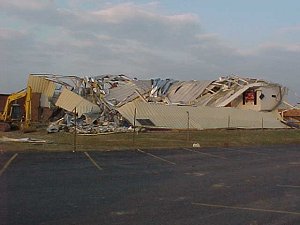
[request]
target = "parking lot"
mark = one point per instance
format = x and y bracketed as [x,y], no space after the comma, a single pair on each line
[215,186]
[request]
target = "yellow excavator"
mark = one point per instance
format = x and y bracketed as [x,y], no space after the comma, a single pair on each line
[12,115]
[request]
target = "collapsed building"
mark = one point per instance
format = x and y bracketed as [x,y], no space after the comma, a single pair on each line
[116,103]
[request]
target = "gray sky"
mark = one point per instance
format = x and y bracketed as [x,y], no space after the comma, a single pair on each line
[148,39]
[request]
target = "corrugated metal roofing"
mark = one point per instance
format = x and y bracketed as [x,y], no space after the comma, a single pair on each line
[40,84]
[201,117]
[125,93]
[185,92]
[68,100]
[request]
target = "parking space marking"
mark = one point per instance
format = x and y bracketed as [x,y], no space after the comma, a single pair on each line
[246,208]
[203,153]
[244,151]
[8,163]
[287,186]
[93,161]
[157,157]
[294,163]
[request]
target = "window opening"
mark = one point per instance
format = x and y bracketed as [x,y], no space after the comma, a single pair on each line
[146,122]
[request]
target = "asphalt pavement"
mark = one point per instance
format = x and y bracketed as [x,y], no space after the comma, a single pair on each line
[188,186]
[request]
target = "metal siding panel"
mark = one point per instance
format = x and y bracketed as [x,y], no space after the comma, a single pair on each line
[68,100]
[41,85]
[202,117]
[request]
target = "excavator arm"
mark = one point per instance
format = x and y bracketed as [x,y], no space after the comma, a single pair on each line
[26,123]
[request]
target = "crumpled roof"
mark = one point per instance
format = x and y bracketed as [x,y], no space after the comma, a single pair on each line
[127,92]
[223,91]
[185,92]
[117,90]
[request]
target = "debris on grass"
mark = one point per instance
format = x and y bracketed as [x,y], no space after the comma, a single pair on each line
[22,140]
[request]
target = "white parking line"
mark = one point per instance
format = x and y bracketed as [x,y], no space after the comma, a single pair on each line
[294,163]
[93,161]
[8,163]
[154,156]
[203,153]
[243,151]
[287,186]
[246,208]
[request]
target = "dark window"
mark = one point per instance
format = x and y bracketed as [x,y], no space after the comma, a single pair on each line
[261,96]
[146,122]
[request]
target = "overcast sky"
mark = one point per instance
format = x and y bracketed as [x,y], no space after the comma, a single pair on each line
[200,40]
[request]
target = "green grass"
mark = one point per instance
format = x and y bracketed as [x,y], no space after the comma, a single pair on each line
[159,139]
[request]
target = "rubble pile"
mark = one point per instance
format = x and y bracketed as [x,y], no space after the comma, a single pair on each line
[94,98]
[107,103]
[88,123]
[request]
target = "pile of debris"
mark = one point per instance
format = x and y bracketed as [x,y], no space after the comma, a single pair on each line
[116,103]
[88,123]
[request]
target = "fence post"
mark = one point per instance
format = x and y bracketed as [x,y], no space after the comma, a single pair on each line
[75,131]
[188,126]
[228,124]
[134,119]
